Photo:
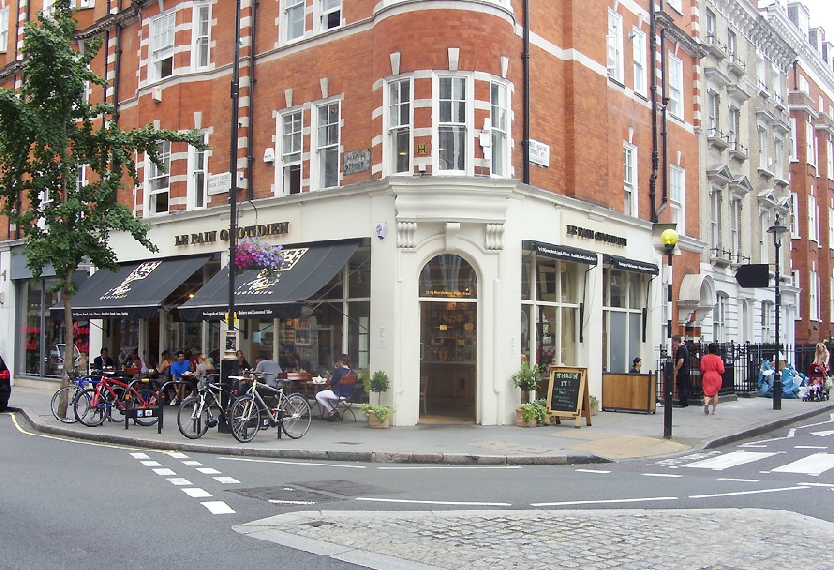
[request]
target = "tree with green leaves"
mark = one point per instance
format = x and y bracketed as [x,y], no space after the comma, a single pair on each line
[48,132]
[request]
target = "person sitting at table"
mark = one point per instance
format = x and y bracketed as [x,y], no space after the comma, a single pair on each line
[269,368]
[180,370]
[242,363]
[636,364]
[103,361]
[204,365]
[329,399]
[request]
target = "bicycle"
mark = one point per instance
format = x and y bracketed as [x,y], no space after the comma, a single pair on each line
[250,413]
[196,414]
[78,384]
[95,405]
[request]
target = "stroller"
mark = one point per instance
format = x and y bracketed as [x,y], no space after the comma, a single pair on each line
[817,391]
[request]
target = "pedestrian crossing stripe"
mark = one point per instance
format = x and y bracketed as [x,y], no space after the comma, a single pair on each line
[811,465]
[732,459]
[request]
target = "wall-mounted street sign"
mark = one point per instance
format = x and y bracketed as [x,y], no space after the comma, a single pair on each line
[219,183]
[753,275]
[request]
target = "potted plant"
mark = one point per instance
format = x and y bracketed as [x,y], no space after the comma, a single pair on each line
[532,414]
[378,414]
[526,379]
[594,405]
[251,253]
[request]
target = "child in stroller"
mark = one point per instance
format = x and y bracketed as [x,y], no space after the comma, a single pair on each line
[816,383]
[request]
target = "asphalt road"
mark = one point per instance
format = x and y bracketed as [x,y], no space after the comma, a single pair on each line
[72,502]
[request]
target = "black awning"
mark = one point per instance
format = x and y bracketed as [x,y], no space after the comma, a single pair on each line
[563,252]
[304,270]
[136,290]
[626,264]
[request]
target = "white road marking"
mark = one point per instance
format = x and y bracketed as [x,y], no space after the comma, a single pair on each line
[810,447]
[812,465]
[752,445]
[791,433]
[226,480]
[819,485]
[737,493]
[823,433]
[415,502]
[279,502]
[600,471]
[441,467]
[140,455]
[196,492]
[732,459]
[739,480]
[191,463]
[661,475]
[151,463]
[165,472]
[177,455]
[604,501]
[179,481]
[249,460]
[208,470]
[218,507]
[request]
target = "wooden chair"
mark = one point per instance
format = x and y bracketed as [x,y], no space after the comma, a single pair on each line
[424,387]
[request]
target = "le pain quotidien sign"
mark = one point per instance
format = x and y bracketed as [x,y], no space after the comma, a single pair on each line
[598,236]
[212,236]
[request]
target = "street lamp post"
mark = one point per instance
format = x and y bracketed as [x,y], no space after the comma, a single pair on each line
[777,230]
[669,238]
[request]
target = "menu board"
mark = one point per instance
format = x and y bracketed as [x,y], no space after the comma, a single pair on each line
[567,394]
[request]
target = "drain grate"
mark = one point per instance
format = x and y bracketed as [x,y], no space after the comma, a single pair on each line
[287,495]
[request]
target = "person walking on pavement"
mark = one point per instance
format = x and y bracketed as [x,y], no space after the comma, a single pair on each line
[681,370]
[712,367]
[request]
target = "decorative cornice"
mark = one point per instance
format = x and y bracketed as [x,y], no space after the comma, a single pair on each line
[676,34]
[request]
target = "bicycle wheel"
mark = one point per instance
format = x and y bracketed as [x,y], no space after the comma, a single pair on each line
[69,415]
[88,414]
[297,415]
[146,398]
[193,417]
[115,404]
[244,418]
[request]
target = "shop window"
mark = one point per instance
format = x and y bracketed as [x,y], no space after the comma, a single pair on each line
[623,301]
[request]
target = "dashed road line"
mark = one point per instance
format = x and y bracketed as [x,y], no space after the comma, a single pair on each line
[165,472]
[196,492]
[739,493]
[604,501]
[419,502]
[179,481]
[226,480]
[669,475]
[208,470]
[218,507]
[598,471]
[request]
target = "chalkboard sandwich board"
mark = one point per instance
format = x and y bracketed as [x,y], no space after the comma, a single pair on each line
[567,394]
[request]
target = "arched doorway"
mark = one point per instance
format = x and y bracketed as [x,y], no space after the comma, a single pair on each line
[448,340]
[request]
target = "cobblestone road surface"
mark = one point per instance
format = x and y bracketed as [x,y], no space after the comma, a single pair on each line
[715,539]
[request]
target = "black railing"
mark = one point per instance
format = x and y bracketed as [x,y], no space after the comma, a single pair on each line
[741,365]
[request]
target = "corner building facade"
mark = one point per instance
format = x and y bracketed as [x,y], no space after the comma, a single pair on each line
[465,212]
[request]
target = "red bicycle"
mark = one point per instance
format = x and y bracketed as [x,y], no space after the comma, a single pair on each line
[95,405]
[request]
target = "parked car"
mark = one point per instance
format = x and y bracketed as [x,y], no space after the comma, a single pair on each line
[56,358]
[5,385]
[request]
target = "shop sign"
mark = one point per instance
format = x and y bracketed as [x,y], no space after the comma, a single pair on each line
[586,233]
[253,231]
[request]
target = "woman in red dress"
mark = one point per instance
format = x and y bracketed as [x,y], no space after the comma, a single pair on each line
[712,367]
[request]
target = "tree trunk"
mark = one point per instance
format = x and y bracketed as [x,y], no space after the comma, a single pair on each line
[69,347]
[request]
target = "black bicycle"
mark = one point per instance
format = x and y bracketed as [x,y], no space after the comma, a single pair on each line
[205,409]
[250,413]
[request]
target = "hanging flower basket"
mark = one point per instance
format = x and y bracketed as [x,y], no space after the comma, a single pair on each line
[251,253]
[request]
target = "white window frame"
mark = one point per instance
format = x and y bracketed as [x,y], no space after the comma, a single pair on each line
[4,29]
[719,318]
[763,148]
[499,104]
[676,4]
[794,216]
[767,314]
[804,86]
[676,95]
[326,140]
[677,196]
[713,114]
[813,217]
[732,45]
[630,188]
[778,165]
[709,26]
[829,158]
[162,35]
[329,14]
[400,127]
[290,151]
[735,229]
[48,7]
[794,148]
[809,143]
[197,188]
[733,127]
[638,44]
[715,222]
[813,296]
[294,19]
[159,181]
[764,241]
[201,36]
[614,47]
[446,119]
[831,233]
